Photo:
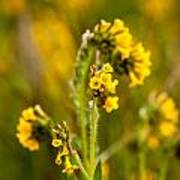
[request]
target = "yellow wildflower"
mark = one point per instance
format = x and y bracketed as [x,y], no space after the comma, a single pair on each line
[69,168]
[56,143]
[58,160]
[167,129]
[140,65]
[117,34]
[28,114]
[27,127]
[95,83]
[153,142]
[111,86]
[111,103]
[107,68]
[168,109]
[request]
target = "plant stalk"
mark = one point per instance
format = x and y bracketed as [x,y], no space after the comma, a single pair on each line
[93,139]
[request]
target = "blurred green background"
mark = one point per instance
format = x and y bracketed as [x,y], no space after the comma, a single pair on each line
[38,45]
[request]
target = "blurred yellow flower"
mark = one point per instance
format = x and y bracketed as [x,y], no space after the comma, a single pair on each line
[167,129]
[153,142]
[105,171]
[111,103]
[24,135]
[28,114]
[157,9]
[55,44]
[29,125]
[77,5]
[12,7]
[167,107]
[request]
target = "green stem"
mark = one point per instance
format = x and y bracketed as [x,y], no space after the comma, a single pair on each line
[81,81]
[142,165]
[78,160]
[163,170]
[93,139]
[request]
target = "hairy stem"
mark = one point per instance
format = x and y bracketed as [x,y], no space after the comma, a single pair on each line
[84,61]
[78,160]
[93,139]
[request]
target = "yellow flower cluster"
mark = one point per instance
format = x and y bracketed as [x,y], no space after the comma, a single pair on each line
[134,59]
[61,142]
[167,120]
[117,35]
[27,127]
[170,114]
[103,86]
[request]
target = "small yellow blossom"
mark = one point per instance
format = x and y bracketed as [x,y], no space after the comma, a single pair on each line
[56,143]
[168,109]
[153,142]
[95,83]
[58,160]
[69,168]
[28,114]
[111,86]
[111,103]
[167,129]
[107,68]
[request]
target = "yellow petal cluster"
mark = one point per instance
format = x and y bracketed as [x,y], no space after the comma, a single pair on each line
[102,80]
[118,33]
[25,130]
[167,107]
[140,65]
[167,129]
[133,58]
[103,84]
[111,103]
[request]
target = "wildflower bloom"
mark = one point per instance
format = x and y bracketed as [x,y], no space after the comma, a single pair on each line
[111,103]
[114,37]
[103,86]
[167,129]
[128,57]
[30,128]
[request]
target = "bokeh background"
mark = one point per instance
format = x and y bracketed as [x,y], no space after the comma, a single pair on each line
[39,40]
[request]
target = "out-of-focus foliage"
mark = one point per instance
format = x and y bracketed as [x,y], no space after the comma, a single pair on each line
[38,45]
